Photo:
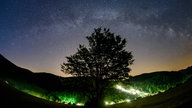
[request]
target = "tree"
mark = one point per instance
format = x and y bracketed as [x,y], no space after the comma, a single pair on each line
[103,60]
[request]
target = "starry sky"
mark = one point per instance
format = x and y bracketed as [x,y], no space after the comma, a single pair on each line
[39,34]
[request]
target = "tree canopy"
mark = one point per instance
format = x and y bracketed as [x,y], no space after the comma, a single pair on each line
[104,58]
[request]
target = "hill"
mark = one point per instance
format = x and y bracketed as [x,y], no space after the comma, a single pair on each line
[74,90]
[155,82]
[14,98]
[178,97]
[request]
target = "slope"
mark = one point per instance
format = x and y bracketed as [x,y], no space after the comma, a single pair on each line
[11,97]
[178,97]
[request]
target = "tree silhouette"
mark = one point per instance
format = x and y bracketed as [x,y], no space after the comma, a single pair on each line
[103,60]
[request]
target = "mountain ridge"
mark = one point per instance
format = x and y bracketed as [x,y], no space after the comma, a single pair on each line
[53,83]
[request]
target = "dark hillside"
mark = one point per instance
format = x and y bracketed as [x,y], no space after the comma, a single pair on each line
[178,97]
[160,81]
[13,98]
[10,70]
[74,90]
[47,81]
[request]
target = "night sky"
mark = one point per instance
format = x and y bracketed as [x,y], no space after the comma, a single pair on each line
[39,34]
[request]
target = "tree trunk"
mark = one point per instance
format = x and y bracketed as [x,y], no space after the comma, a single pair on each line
[99,93]
[97,99]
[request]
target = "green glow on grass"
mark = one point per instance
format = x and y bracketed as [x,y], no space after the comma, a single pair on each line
[33,93]
[64,98]
[67,100]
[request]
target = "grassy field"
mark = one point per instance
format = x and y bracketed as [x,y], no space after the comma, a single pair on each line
[178,97]
[12,98]
[177,92]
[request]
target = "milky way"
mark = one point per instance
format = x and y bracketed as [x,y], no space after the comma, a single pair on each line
[39,34]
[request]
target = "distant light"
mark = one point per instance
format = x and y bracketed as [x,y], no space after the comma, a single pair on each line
[106,103]
[109,103]
[6,82]
[128,100]
[80,104]
[132,91]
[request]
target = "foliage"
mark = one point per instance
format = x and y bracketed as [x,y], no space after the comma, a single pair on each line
[104,59]
[77,90]
[158,81]
[67,97]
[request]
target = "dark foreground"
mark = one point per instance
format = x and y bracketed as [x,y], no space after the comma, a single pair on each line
[179,97]
[12,98]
